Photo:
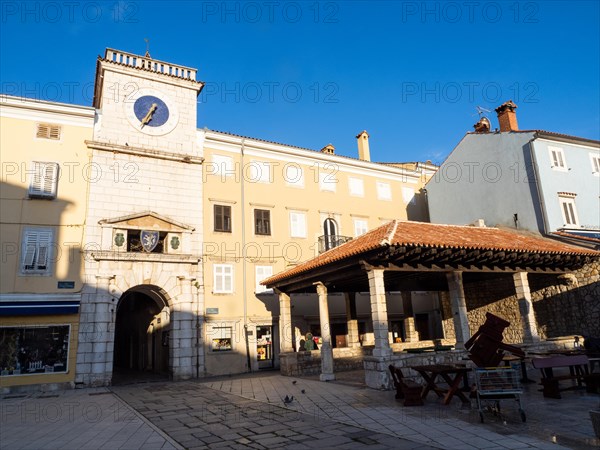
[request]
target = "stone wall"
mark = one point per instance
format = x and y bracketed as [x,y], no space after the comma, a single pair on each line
[571,306]
[564,305]
[309,363]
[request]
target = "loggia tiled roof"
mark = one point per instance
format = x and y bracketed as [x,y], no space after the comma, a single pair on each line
[428,235]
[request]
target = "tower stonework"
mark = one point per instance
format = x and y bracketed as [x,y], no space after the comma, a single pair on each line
[144,224]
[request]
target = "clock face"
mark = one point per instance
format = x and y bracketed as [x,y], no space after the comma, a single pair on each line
[151,112]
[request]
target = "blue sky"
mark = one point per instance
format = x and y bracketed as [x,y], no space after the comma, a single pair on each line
[311,73]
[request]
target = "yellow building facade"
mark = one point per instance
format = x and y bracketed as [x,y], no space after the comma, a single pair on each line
[45,178]
[269,206]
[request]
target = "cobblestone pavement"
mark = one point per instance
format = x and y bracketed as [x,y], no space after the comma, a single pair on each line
[248,411]
[551,423]
[199,417]
[75,419]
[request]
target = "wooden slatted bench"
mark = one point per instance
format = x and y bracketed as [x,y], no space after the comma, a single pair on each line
[578,370]
[406,389]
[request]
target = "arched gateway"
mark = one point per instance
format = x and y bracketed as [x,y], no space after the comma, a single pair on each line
[142,329]
[141,310]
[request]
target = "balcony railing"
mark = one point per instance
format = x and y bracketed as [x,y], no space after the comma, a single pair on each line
[327,242]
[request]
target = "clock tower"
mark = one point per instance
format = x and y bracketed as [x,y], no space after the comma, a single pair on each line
[142,300]
[146,103]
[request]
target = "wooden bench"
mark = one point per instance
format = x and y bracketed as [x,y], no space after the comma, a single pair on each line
[406,389]
[578,370]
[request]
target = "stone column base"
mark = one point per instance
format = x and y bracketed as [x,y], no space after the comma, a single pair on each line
[327,377]
[377,372]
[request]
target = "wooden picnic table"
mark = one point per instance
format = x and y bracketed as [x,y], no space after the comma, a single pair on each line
[449,373]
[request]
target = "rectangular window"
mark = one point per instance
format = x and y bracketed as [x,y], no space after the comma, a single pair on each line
[327,181]
[357,187]
[260,172]
[298,224]
[223,165]
[384,191]
[262,273]
[595,160]
[223,279]
[569,212]
[262,222]
[37,243]
[557,158]
[48,131]
[361,226]
[408,195]
[44,179]
[34,350]
[221,339]
[223,218]
[294,175]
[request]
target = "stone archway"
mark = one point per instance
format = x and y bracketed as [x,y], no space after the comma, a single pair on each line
[141,340]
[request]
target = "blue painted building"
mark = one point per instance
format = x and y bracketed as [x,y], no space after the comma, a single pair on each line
[532,180]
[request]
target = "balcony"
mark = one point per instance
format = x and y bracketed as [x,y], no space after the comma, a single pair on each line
[327,242]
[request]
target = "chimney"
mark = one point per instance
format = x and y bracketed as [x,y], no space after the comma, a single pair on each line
[329,149]
[363,146]
[507,117]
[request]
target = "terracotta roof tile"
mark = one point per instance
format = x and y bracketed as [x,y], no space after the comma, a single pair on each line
[421,234]
[576,236]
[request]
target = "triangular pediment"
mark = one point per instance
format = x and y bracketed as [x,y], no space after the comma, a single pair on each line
[147,220]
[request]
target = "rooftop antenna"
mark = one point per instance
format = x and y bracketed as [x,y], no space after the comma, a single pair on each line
[481,111]
[147,55]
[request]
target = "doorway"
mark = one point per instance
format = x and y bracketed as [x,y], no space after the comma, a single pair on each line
[264,346]
[142,326]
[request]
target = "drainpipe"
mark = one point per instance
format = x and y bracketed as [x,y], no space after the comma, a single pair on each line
[244,283]
[199,321]
[538,186]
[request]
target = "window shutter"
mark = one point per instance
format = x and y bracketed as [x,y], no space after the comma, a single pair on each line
[50,178]
[44,238]
[36,186]
[43,179]
[228,279]
[262,273]
[297,225]
[30,247]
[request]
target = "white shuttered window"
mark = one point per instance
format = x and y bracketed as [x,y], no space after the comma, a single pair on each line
[297,224]
[44,178]
[262,273]
[37,243]
[223,278]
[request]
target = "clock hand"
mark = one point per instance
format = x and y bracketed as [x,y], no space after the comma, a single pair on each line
[148,117]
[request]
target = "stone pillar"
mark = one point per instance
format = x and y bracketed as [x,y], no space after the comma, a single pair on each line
[351,319]
[183,331]
[459,308]
[326,349]
[379,313]
[530,332]
[409,318]
[96,335]
[285,323]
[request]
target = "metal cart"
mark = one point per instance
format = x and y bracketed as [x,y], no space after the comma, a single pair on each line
[495,384]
